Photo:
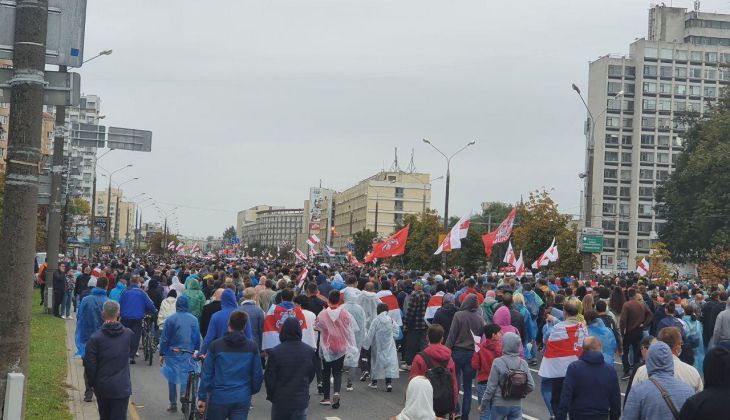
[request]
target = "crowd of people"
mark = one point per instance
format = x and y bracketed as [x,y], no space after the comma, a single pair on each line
[283,325]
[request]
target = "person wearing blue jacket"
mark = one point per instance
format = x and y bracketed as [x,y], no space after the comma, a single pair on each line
[645,400]
[181,332]
[135,304]
[590,389]
[219,321]
[116,293]
[232,373]
[598,329]
[88,321]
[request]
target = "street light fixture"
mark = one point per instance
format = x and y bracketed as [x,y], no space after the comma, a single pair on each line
[104,52]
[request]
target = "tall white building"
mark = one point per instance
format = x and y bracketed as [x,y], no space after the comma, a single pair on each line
[81,159]
[638,134]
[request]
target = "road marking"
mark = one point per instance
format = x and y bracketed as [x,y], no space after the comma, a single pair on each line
[332,418]
[473,397]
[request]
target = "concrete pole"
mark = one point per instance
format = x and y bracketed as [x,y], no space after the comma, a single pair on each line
[93,219]
[19,219]
[56,212]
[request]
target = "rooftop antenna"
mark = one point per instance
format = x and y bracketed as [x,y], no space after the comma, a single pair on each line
[697,5]
[411,166]
[395,167]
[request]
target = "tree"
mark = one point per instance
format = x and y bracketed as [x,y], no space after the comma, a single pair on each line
[79,207]
[538,221]
[229,234]
[694,200]
[716,266]
[423,237]
[158,242]
[363,242]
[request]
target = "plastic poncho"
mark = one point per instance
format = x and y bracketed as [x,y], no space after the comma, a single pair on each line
[380,340]
[337,336]
[368,301]
[116,293]
[695,327]
[88,318]
[608,340]
[530,324]
[168,307]
[181,331]
[195,296]
[177,286]
[356,312]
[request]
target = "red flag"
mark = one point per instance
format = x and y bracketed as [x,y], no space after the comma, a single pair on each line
[500,235]
[391,247]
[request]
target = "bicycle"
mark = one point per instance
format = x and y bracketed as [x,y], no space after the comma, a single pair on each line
[189,402]
[148,338]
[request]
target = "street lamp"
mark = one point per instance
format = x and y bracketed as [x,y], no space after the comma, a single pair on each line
[109,199]
[587,175]
[116,212]
[104,52]
[448,176]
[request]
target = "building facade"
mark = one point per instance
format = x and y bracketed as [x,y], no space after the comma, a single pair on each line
[638,101]
[379,204]
[247,218]
[123,216]
[272,227]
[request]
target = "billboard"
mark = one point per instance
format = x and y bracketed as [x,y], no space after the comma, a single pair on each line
[316,201]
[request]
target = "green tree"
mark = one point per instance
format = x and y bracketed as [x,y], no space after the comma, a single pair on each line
[158,242]
[363,243]
[229,234]
[79,207]
[716,266]
[538,222]
[422,241]
[694,200]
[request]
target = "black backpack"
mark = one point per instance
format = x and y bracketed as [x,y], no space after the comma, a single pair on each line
[515,383]
[443,386]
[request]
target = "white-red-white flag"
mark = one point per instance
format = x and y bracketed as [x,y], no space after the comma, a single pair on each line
[311,253]
[643,267]
[550,255]
[312,241]
[457,233]
[195,248]
[509,257]
[519,266]
[171,245]
[299,255]
[180,247]
[302,277]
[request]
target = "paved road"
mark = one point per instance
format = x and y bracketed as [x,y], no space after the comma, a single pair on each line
[150,397]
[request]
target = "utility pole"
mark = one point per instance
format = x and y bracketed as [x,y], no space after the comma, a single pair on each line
[56,214]
[20,218]
[93,220]
[115,239]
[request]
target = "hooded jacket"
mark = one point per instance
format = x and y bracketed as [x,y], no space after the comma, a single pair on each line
[154,291]
[218,326]
[503,318]
[645,400]
[481,361]
[721,332]
[356,313]
[608,340]
[88,318]
[181,332]
[510,359]
[116,293]
[135,303]
[466,326]
[232,370]
[290,369]
[196,296]
[167,309]
[590,390]
[441,356]
[106,361]
[713,399]
[208,310]
[444,316]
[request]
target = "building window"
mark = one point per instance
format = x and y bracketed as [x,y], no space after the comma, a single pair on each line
[610,173]
[609,190]
[609,225]
[648,122]
[662,175]
[681,55]
[398,192]
[650,53]
[613,104]
[693,106]
[649,87]
[646,174]
[626,140]
[3,119]
[664,123]
[613,122]
[677,141]
[648,105]
[695,72]
[610,156]
[710,91]
[623,243]
[630,71]
[644,227]
[629,89]
[711,57]
[665,54]
[696,56]
[624,210]
[647,140]
[643,244]
[663,141]
[625,174]
[680,89]
[680,72]
[609,209]
[628,123]
[646,192]
[645,209]
[646,157]
[398,206]
[665,105]
[675,157]
[626,157]
[614,70]
[625,192]
[665,88]
[650,71]
[611,138]
[710,73]
[665,71]
[662,157]
[680,106]
[614,87]
[607,262]
[695,90]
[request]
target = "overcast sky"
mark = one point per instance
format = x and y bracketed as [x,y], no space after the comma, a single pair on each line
[253,102]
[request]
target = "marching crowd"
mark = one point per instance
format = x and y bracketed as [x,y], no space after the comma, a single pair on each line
[283,325]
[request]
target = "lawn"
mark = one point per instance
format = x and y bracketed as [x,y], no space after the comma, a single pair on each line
[46,396]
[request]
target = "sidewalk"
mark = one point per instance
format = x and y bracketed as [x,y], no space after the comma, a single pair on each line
[80,410]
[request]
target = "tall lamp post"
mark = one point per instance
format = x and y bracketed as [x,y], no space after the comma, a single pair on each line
[587,263]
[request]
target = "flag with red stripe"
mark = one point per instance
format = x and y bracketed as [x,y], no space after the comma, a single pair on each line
[387,298]
[275,319]
[433,304]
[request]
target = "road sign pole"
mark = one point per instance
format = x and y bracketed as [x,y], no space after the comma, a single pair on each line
[93,220]
[55,215]
[20,214]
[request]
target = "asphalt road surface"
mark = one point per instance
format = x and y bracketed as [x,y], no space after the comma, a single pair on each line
[150,397]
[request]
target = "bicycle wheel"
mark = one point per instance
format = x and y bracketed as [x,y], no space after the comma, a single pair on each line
[144,344]
[150,350]
[189,404]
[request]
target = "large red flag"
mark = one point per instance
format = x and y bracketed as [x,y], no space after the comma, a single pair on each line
[500,235]
[391,247]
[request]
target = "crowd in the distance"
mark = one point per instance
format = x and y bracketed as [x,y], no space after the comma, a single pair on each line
[445,331]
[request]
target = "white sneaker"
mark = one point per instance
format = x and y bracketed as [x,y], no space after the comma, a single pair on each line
[63,317]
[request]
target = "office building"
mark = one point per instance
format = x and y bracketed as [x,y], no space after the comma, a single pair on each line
[271,227]
[379,204]
[247,218]
[124,217]
[637,101]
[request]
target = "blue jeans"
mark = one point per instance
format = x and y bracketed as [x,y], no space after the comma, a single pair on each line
[172,394]
[462,363]
[480,393]
[546,389]
[238,411]
[68,298]
[281,413]
[506,413]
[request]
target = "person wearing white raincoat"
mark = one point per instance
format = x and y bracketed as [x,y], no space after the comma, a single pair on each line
[352,359]
[381,342]
[369,301]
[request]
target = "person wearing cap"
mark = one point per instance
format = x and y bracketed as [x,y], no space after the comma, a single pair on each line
[89,320]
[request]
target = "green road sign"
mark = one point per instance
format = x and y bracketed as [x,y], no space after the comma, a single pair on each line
[591,244]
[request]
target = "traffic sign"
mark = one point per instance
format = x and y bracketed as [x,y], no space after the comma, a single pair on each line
[63,89]
[129,139]
[65,37]
[88,135]
[592,244]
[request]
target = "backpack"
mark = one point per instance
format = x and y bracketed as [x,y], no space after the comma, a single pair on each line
[515,383]
[443,386]
[531,305]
